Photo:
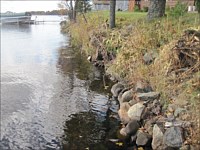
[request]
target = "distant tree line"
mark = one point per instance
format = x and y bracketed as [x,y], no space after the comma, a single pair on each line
[53,12]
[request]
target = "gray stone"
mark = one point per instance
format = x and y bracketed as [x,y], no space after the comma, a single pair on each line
[171,107]
[127,96]
[132,127]
[148,59]
[132,102]
[149,127]
[148,96]
[135,111]
[179,111]
[141,87]
[173,137]
[116,89]
[142,138]
[157,142]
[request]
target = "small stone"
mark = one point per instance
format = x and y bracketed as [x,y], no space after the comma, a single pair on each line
[173,137]
[179,111]
[127,96]
[172,107]
[148,96]
[123,115]
[132,127]
[132,102]
[123,132]
[135,111]
[142,138]
[148,59]
[141,87]
[116,89]
[157,142]
[185,147]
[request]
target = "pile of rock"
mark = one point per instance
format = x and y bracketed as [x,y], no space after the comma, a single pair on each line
[145,123]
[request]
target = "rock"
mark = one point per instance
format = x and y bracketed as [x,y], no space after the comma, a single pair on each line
[149,126]
[171,107]
[135,111]
[157,142]
[132,102]
[185,147]
[142,138]
[173,137]
[132,127]
[148,96]
[120,95]
[142,87]
[123,132]
[116,89]
[123,115]
[129,28]
[148,58]
[127,96]
[179,111]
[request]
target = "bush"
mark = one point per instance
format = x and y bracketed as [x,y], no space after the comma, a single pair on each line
[179,9]
[197,4]
[145,9]
[136,9]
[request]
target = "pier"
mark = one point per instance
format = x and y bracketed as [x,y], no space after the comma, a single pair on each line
[19,18]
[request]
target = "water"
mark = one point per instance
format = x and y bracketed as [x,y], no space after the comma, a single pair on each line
[51,97]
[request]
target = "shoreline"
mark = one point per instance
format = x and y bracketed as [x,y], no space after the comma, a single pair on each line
[147,120]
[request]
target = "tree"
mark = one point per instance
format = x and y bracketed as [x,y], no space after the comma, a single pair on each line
[83,6]
[197,5]
[156,9]
[112,13]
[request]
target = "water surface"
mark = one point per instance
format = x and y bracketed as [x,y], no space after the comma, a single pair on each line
[51,97]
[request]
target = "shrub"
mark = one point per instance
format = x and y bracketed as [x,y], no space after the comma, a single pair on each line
[136,9]
[197,4]
[145,9]
[179,9]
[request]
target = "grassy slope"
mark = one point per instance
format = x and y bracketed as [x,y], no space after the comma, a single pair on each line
[157,37]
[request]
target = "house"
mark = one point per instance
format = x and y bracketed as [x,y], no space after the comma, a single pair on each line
[105,4]
[145,3]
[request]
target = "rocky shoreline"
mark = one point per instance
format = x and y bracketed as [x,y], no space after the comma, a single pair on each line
[146,124]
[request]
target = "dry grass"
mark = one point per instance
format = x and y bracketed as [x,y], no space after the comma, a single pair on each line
[157,38]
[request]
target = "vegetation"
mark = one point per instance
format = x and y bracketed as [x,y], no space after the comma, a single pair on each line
[179,10]
[134,37]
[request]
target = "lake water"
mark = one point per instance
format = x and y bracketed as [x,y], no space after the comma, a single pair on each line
[51,97]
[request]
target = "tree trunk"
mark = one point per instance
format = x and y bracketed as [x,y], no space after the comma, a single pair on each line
[112,13]
[71,11]
[75,10]
[156,9]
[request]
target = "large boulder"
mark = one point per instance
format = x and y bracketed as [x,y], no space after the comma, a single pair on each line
[116,89]
[173,137]
[135,111]
[148,96]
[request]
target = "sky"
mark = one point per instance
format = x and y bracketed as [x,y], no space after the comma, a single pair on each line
[28,5]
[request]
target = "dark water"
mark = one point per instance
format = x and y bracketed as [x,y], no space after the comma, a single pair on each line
[51,97]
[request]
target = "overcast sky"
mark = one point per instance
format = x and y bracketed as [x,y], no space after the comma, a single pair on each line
[26,5]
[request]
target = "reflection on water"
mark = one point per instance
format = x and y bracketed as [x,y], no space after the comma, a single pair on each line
[51,97]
